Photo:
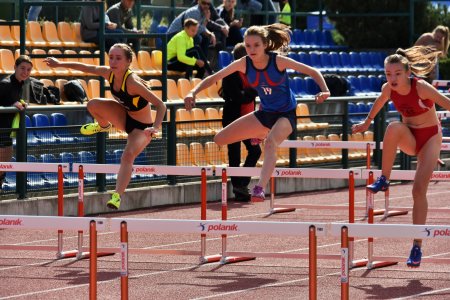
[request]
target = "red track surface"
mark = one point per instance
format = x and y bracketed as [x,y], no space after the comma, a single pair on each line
[37,275]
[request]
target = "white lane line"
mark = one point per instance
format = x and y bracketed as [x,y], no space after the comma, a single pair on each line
[98,282]
[263,286]
[423,294]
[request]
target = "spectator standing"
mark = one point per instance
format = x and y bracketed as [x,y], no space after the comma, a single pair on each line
[11,90]
[183,56]
[285,18]
[239,99]
[121,14]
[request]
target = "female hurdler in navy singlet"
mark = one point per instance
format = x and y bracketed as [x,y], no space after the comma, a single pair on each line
[266,72]
[128,111]
[418,133]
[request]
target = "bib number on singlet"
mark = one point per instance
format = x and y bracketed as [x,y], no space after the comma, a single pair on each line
[267,90]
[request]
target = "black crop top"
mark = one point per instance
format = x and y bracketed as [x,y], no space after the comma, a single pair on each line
[130,102]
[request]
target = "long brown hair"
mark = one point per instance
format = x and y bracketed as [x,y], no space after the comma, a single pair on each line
[421,60]
[275,36]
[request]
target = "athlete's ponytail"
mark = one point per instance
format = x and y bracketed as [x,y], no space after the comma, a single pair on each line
[420,59]
[275,36]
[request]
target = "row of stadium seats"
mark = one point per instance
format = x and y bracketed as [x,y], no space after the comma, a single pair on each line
[313,40]
[145,63]
[330,62]
[41,180]
[49,35]
[210,154]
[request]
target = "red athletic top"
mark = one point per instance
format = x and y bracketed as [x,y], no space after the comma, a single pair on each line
[411,105]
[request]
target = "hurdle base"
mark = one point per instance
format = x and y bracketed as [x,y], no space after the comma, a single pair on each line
[279,210]
[380,264]
[210,259]
[358,263]
[390,213]
[67,254]
[85,255]
[234,259]
[76,254]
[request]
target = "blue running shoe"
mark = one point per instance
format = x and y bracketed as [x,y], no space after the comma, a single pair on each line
[380,185]
[414,257]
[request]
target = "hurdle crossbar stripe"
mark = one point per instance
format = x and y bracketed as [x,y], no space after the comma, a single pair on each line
[392,230]
[217,227]
[145,169]
[312,206]
[32,167]
[40,222]
[407,175]
[293,172]
[328,144]
[443,260]
[282,255]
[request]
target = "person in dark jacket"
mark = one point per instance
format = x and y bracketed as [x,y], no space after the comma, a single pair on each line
[121,14]
[227,12]
[239,100]
[11,89]
[90,24]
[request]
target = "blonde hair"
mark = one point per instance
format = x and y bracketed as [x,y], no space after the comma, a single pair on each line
[421,60]
[275,36]
[444,30]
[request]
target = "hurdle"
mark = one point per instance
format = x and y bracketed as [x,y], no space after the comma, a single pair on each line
[155,170]
[385,231]
[399,175]
[312,230]
[93,225]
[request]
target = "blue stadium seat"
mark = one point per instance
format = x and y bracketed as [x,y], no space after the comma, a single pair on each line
[304,58]
[355,61]
[31,137]
[293,87]
[311,86]
[319,39]
[71,178]
[375,84]
[9,184]
[355,86]
[86,157]
[328,38]
[346,63]
[365,86]
[310,40]
[60,120]
[300,86]
[45,136]
[225,59]
[366,62]
[377,60]
[158,41]
[315,61]
[336,63]
[35,180]
[299,39]
[50,177]
[352,111]
[325,59]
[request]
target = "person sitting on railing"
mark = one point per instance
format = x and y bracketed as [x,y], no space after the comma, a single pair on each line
[128,111]
[419,133]
[90,24]
[121,13]
[11,92]
[266,73]
[183,56]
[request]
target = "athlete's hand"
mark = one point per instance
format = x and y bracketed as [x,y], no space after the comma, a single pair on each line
[189,101]
[151,132]
[52,62]
[361,127]
[322,96]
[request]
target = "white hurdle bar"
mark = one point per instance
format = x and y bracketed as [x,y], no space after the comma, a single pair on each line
[312,230]
[93,225]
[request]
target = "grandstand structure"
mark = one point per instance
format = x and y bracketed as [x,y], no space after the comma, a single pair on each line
[51,133]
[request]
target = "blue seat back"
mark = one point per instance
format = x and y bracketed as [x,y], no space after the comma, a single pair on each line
[225,59]
[304,58]
[311,86]
[315,60]
[355,60]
